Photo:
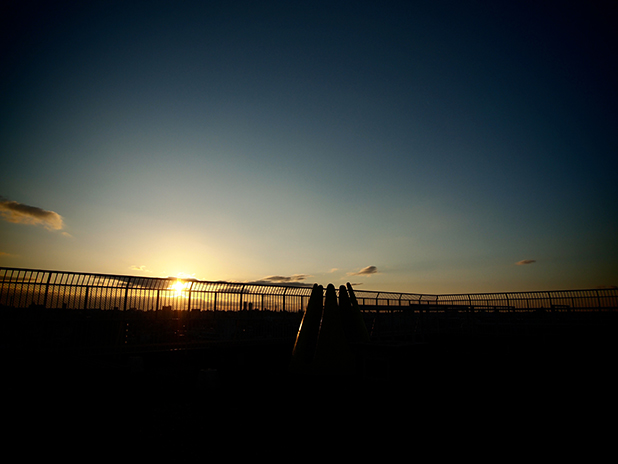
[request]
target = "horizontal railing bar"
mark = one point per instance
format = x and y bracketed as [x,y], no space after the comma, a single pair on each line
[121,312]
[113,289]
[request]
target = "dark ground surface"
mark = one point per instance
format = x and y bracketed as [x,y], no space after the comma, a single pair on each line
[457,384]
[458,392]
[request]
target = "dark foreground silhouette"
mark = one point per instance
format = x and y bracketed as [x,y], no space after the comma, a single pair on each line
[208,391]
[499,374]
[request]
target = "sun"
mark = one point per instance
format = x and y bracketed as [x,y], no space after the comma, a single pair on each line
[179,287]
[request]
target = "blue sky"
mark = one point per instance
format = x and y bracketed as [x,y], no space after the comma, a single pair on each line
[429,147]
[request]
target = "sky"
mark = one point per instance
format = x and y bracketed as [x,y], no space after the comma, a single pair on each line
[422,146]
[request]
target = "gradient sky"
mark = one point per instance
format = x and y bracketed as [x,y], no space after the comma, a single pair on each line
[423,146]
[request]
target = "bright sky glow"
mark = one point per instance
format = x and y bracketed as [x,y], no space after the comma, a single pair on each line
[180,287]
[430,147]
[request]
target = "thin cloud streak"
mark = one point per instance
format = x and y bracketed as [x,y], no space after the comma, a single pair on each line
[369,270]
[525,261]
[293,280]
[19,213]
[286,279]
[139,268]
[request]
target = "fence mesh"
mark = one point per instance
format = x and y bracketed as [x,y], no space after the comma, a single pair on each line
[45,310]
[20,288]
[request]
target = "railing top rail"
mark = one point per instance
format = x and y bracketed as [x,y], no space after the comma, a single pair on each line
[39,276]
[70,278]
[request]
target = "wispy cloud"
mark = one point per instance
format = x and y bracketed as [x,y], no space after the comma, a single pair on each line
[185,276]
[19,213]
[294,279]
[286,279]
[139,268]
[369,270]
[525,261]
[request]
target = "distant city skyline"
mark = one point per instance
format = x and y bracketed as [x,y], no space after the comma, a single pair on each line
[423,147]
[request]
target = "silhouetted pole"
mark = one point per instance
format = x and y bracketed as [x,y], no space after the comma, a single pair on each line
[333,354]
[327,332]
[353,323]
[307,336]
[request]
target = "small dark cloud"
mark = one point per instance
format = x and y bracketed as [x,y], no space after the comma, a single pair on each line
[294,280]
[369,270]
[285,279]
[19,213]
[525,261]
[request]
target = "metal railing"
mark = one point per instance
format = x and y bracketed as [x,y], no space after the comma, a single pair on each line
[49,310]
[22,288]
[557,300]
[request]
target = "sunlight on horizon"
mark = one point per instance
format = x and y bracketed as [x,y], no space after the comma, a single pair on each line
[179,287]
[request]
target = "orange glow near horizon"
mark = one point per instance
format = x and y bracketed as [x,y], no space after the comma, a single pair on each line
[179,287]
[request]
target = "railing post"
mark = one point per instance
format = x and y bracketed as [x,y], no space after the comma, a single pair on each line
[241,295]
[46,289]
[21,289]
[86,296]
[126,293]
[189,302]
